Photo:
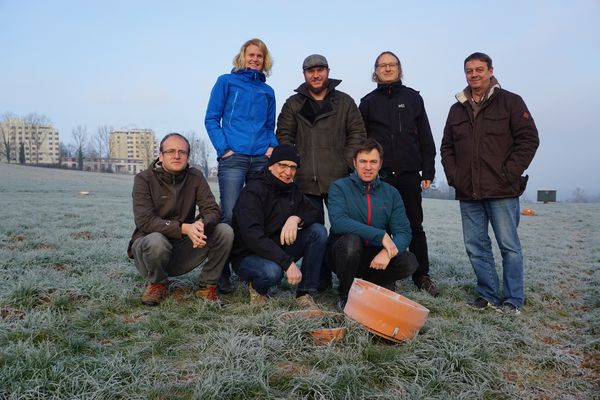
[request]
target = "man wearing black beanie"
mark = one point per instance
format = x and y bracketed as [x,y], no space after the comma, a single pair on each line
[275,225]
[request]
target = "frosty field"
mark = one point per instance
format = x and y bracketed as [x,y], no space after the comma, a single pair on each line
[72,325]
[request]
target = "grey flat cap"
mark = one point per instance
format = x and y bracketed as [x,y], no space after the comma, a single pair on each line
[314,60]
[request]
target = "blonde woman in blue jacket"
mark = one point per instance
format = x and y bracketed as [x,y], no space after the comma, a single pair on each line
[240,120]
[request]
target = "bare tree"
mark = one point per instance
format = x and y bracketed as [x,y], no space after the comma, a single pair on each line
[101,143]
[21,153]
[579,196]
[63,152]
[80,138]
[36,122]
[6,149]
[199,151]
[147,147]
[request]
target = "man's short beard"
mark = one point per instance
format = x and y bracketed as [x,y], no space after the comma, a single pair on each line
[319,90]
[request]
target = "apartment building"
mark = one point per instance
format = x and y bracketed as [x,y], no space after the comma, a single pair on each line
[134,144]
[40,142]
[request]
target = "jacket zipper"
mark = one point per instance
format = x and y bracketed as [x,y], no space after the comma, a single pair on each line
[233,108]
[399,119]
[368,209]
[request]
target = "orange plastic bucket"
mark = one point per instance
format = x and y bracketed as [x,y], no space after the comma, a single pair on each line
[383,312]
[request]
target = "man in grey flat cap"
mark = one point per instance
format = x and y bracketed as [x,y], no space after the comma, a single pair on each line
[325,125]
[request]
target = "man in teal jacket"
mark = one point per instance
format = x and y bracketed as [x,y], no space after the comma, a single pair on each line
[369,224]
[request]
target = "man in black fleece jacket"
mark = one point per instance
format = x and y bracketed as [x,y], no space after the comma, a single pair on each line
[275,225]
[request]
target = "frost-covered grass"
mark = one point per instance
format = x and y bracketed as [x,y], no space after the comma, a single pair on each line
[72,326]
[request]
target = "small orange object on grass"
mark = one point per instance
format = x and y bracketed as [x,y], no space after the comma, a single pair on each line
[528,211]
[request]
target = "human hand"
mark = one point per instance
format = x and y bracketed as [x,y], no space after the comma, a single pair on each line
[268,152]
[425,184]
[294,276]
[389,245]
[227,154]
[289,232]
[195,232]
[381,260]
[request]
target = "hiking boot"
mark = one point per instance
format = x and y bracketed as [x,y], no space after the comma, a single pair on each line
[307,302]
[481,304]
[425,284]
[207,292]
[510,308]
[154,294]
[255,297]
[341,303]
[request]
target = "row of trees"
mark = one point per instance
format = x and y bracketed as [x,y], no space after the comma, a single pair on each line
[98,146]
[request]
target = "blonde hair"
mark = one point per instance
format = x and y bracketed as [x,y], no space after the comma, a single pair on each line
[239,61]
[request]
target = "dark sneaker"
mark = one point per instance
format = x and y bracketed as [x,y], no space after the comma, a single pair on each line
[510,308]
[207,292]
[341,303]
[425,284]
[325,285]
[481,304]
[224,285]
[154,294]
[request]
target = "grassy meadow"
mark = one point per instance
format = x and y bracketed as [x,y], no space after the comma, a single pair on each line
[72,325]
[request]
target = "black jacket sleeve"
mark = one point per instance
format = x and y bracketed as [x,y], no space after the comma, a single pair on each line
[249,212]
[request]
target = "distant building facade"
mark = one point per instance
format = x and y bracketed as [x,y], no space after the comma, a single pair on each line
[40,142]
[133,145]
[115,165]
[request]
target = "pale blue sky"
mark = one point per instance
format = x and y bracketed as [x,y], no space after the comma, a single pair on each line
[151,64]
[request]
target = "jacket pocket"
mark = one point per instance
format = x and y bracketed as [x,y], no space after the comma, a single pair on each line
[460,128]
[496,124]
[517,183]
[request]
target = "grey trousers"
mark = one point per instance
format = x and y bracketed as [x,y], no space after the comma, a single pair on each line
[156,257]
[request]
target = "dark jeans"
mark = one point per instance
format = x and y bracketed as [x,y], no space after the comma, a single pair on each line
[349,259]
[309,245]
[409,186]
[325,276]
[233,173]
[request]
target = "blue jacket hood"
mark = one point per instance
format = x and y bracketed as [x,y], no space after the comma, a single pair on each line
[251,74]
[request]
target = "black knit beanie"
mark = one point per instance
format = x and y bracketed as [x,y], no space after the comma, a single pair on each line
[284,152]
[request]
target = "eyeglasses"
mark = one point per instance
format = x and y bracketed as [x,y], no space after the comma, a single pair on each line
[172,152]
[292,168]
[387,65]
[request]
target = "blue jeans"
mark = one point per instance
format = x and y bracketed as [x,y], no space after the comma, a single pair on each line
[310,245]
[233,172]
[503,214]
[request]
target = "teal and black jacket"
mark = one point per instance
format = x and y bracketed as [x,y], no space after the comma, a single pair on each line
[368,210]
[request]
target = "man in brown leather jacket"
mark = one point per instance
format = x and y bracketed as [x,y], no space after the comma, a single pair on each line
[169,238]
[489,140]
